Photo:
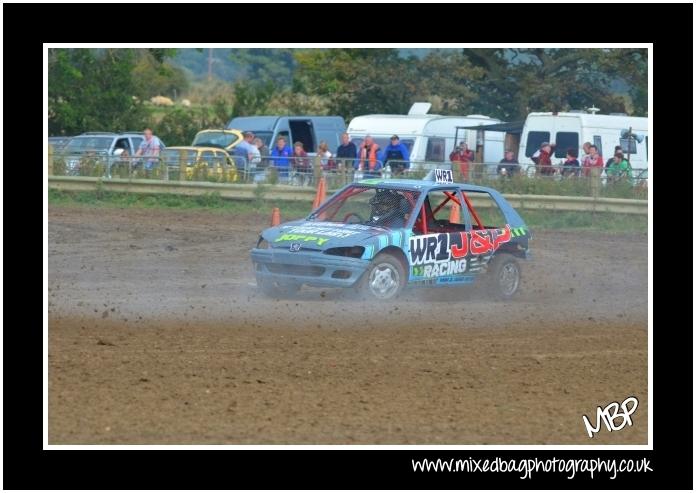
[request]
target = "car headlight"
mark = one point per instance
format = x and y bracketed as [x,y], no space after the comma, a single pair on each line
[354,251]
[263,243]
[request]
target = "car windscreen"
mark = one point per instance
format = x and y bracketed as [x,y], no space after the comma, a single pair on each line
[215,139]
[84,144]
[370,206]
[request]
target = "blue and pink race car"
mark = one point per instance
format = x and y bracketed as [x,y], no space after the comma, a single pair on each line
[381,235]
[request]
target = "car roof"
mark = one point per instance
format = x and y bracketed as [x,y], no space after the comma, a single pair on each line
[223,130]
[420,185]
[109,134]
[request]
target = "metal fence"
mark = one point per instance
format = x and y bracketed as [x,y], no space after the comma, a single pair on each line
[306,171]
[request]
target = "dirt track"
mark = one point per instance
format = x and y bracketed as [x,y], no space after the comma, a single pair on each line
[157,335]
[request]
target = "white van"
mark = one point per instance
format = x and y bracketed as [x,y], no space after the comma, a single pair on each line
[571,130]
[430,137]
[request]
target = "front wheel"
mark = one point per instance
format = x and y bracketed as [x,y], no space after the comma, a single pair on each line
[385,278]
[504,276]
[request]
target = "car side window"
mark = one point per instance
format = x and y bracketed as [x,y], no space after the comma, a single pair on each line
[485,212]
[122,144]
[136,141]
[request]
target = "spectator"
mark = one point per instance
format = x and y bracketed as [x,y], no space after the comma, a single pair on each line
[347,152]
[367,157]
[253,154]
[396,155]
[325,157]
[619,168]
[281,155]
[150,148]
[462,155]
[611,159]
[509,166]
[263,150]
[571,167]
[592,168]
[301,165]
[586,149]
[545,151]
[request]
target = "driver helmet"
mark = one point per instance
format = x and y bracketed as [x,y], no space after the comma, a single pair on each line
[385,205]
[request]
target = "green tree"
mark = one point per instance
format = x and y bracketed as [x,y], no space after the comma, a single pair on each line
[446,80]
[102,89]
[264,64]
[518,81]
[155,76]
[92,90]
[357,81]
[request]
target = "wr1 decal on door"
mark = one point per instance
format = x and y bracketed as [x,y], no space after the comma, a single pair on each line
[453,254]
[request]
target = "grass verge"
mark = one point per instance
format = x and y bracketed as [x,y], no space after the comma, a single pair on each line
[535,219]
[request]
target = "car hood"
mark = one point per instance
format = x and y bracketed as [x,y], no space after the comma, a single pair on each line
[315,235]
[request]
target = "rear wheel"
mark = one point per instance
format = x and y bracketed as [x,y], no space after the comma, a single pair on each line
[385,278]
[504,276]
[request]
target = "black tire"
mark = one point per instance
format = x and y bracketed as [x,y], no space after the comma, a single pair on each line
[275,289]
[384,279]
[504,276]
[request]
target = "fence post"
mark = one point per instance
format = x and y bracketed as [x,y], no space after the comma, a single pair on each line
[182,165]
[50,160]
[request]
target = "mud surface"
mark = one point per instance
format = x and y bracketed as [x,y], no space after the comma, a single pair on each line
[157,335]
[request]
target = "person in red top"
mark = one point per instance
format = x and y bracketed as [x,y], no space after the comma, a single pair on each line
[301,165]
[463,156]
[545,152]
[592,169]
[594,160]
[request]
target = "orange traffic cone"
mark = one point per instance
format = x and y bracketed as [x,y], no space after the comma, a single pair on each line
[321,193]
[275,217]
[455,215]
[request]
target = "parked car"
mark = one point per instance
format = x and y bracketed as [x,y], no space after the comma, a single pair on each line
[221,139]
[379,236]
[201,163]
[104,146]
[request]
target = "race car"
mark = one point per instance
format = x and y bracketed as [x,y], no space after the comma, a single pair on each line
[380,235]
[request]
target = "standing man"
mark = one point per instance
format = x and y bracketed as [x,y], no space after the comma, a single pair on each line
[396,156]
[345,155]
[253,154]
[462,155]
[346,152]
[150,148]
[508,166]
[280,157]
[367,155]
[592,168]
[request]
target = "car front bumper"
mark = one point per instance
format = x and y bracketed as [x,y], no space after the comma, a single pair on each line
[312,268]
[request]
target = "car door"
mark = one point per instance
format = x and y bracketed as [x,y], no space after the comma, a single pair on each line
[487,229]
[438,251]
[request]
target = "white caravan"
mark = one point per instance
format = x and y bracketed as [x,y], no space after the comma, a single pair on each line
[431,137]
[571,130]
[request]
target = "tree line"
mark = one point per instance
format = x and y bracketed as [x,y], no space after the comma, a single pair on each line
[107,89]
